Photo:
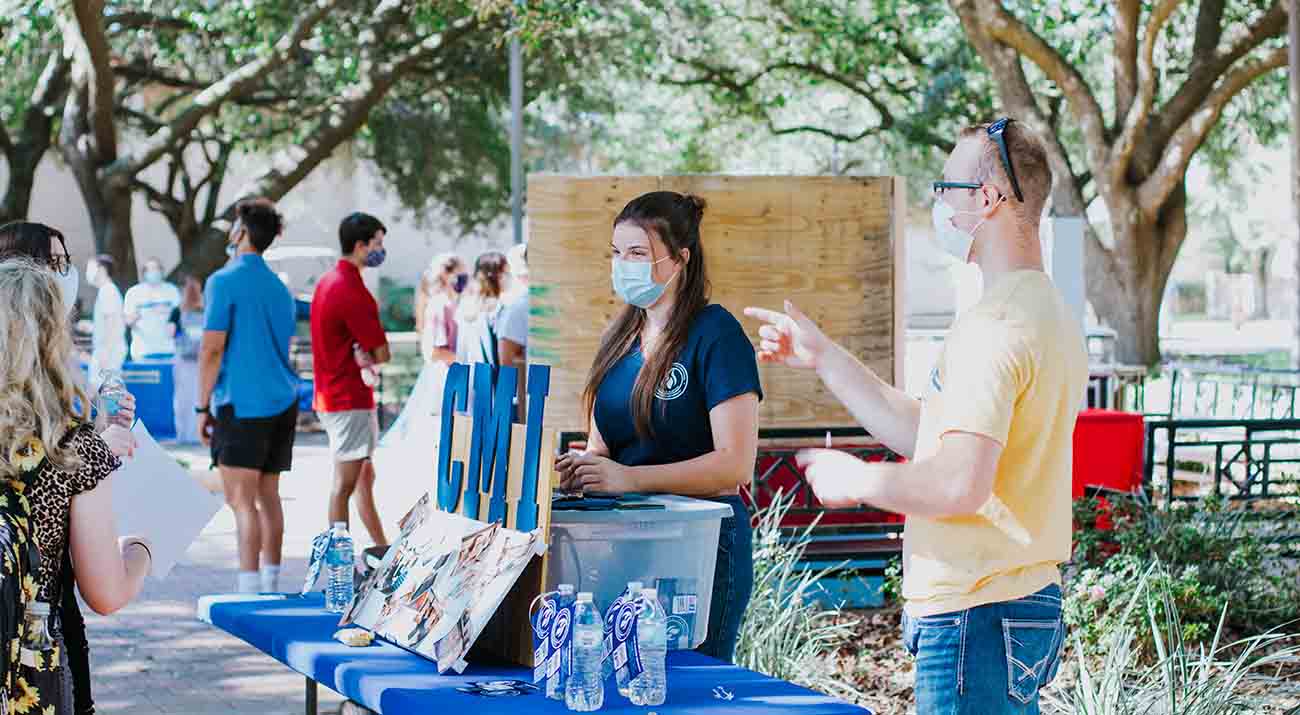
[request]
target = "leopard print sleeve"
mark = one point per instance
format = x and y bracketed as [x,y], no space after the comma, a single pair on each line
[97,462]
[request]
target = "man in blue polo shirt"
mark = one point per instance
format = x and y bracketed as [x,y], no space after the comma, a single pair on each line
[248,402]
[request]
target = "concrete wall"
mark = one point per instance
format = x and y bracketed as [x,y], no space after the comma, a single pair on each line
[312,212]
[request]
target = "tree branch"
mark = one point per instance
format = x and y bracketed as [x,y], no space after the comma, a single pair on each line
[346,115]
[135,20]
[725,77]
[1125,30]
[84,36]
[998,24]
[1209,28]
[1206,69]
[1019,99]
[1136,119]
[1169,173]
[235,84]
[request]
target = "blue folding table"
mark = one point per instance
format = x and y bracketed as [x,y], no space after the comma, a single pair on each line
[297,631]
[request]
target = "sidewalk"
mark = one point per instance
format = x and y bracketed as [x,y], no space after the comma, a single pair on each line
[155,657]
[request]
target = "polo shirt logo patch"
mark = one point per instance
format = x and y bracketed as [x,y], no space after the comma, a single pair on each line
[675,384]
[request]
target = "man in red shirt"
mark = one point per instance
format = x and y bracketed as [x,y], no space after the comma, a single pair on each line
[347,338]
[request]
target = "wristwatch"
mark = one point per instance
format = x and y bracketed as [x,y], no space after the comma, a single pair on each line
[202,410]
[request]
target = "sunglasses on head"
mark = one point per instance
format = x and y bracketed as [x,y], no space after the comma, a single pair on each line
[997,134]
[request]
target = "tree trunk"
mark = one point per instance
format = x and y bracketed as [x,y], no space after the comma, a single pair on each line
[1293,49]
[109,207]
[18,194]
[1127,286]
[203,251]
[1262,258]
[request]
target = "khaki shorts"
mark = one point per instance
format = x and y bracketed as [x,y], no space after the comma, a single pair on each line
[353,434]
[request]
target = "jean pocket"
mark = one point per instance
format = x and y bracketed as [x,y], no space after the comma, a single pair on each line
[1033,646]
[930,628]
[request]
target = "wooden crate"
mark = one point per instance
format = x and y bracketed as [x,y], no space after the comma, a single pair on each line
[833,245]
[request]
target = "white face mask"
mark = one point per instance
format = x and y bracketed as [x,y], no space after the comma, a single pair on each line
[68,288]
[954,241]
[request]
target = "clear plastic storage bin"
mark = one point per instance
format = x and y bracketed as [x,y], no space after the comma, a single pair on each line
[674,549]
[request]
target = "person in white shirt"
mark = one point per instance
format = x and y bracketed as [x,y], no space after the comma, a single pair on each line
[148,309]
[109,334]
[512,326]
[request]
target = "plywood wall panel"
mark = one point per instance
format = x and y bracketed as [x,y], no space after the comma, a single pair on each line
[827,243]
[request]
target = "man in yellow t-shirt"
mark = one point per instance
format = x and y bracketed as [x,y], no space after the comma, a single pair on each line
[987,486]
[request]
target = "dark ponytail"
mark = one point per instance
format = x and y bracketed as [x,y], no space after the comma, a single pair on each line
[675,220]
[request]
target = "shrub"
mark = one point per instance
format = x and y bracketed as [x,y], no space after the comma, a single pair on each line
[785,634]
[1211,556]
[1186,680]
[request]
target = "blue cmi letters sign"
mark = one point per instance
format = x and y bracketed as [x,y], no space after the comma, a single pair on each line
[492,412]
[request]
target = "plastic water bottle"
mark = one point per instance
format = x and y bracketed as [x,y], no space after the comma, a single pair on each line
[585,690]
[651,686]
[624,682]
[111,391]
[555,686]
[339,569]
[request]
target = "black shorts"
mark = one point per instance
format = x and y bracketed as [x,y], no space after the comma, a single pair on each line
[261,443]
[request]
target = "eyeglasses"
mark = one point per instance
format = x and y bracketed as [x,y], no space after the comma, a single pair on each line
[60,263]
[997,135]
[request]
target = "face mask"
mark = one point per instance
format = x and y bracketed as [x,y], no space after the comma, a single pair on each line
[954,241]
[376,257]
[462,280]
[68,288]
[634,282]
[232,249]
[153,277]
[92,274]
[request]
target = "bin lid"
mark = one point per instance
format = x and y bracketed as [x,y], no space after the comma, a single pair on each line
[676,508]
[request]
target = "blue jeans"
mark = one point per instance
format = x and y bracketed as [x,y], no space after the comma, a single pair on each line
[991,659]
[733,582]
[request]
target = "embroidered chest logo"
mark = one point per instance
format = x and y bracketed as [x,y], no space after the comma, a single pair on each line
[675,384]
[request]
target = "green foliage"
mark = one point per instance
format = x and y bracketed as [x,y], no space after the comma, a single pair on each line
[1182,678]
[397,307]
[784,634]
[1212,559]
[892,588]
[27,39]
[768,85]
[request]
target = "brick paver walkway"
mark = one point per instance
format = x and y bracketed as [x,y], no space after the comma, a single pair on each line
[154,657]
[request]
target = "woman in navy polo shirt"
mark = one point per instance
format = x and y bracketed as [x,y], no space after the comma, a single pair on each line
[673,393]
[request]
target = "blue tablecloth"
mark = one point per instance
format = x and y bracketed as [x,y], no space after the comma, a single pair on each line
[299,633]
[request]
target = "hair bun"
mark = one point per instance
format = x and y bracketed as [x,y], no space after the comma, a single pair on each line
[696,205]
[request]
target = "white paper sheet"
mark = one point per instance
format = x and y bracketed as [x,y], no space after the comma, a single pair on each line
[154,497]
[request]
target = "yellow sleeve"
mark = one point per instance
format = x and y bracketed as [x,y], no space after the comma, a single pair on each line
[985,371]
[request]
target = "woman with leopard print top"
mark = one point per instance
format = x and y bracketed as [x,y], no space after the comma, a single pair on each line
[53,458]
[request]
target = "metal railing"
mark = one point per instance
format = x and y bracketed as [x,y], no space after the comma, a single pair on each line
[1230,392]
[1254,462]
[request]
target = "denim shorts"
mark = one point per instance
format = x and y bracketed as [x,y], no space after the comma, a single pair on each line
[991,659]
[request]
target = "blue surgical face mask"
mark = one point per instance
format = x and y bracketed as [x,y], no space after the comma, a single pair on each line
[376,257]
[153,277]
[634,282]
